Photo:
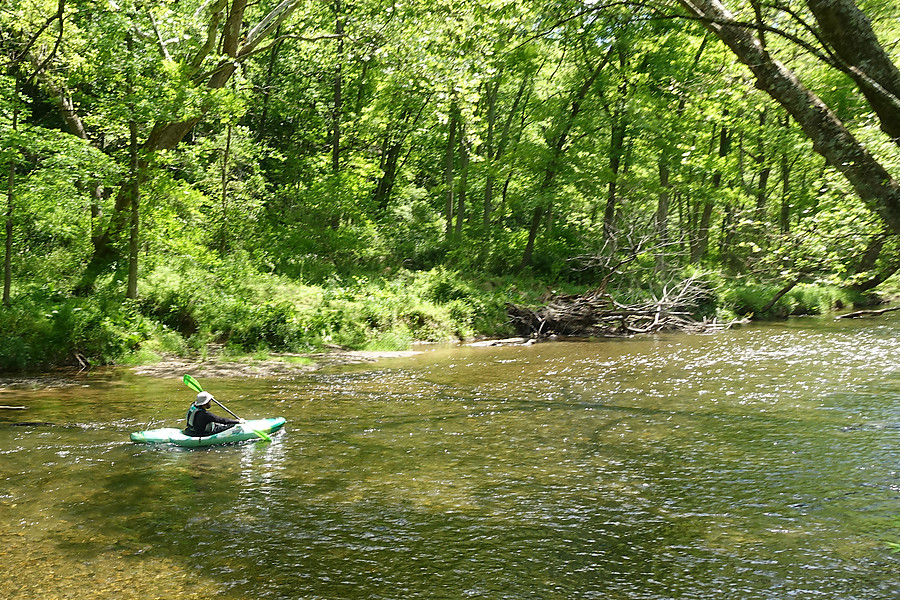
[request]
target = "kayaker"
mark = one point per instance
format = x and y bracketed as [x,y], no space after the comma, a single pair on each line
[201,422]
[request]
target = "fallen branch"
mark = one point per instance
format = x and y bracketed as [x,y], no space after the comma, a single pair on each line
[866,313]
[598,314]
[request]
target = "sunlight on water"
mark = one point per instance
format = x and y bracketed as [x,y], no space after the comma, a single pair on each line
[760,463]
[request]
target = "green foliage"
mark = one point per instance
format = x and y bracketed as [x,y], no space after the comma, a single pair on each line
[232,304]
[749,298]
[391,313]
[307,201]
[41,332]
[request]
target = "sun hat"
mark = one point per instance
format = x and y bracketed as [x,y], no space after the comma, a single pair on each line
[203,398]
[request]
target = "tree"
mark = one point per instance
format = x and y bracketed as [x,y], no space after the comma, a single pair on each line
[17,58]
[11,158]
[199,71]
[849,45]
[557,140]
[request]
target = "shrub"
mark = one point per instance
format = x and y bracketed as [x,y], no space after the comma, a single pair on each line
[804,299]
[41,334]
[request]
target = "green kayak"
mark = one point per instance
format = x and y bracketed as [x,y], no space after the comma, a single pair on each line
[248,430]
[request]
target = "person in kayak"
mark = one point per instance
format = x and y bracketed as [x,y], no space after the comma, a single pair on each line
[201,422]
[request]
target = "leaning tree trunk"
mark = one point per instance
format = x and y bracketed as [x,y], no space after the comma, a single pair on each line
[878,189]
[848,31]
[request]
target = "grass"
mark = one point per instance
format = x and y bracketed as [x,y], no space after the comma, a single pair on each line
[231,311]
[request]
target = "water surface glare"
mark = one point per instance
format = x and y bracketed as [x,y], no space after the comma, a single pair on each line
[755,464]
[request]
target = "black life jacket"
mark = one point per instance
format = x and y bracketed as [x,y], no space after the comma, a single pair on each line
[191,414]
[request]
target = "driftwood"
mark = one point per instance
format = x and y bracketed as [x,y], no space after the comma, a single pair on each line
[596,313]
[866,313]
[13,408]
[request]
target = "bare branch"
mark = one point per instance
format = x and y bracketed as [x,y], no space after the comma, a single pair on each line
[597,313]
[162,44]
[268,24]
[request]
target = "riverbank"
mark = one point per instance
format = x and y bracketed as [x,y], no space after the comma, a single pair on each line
[281,364]
[218,365]
[211,366]
[196,312]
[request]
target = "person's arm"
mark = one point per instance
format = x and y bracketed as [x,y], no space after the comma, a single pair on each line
[222,420]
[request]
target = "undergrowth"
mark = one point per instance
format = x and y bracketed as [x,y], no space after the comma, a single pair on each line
[186,308]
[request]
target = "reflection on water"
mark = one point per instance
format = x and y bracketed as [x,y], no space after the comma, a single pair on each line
[760,463]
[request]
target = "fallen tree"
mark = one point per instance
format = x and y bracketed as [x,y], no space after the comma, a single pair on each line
[867,313]
[597,314]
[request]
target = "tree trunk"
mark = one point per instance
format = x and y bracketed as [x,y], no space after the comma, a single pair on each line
[448,171]
[134,215]
[489,154]
[463,182]
[338,84]
[784,218]
[7,257]
[700,242]
[391,151]
[499,150]
[849,33]
[262,127]
[763,170]
[536,218]
[223,229]
[791,285]
[390,157]
[868,262]
[10,202]
[662,212]
[877,188]
[701,239]
[616,151]
[134,182]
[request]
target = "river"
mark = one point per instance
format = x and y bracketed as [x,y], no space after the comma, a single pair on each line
[757,463]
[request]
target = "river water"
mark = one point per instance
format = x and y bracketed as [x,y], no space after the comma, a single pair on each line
[759,463]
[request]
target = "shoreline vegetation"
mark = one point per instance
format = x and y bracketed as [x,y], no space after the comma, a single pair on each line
[308,176]
[262,325]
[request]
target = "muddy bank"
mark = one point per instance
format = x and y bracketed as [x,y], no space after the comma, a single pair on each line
[276,366]
[212,366]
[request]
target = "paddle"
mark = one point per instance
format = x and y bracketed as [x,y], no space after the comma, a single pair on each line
[195,385]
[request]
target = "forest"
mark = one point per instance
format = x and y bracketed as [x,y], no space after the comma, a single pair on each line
[196,176]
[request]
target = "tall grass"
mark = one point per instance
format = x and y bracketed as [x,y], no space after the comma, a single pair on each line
[253,311]
[750,298]
[187,307]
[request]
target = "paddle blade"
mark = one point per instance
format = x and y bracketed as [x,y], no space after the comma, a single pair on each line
[192,383]
[262,435]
